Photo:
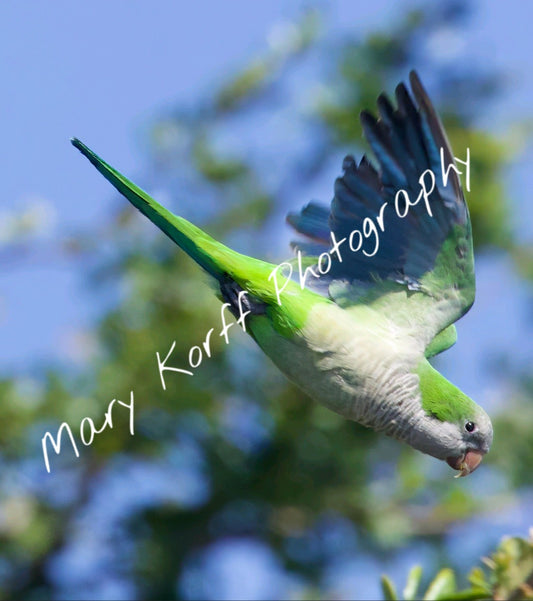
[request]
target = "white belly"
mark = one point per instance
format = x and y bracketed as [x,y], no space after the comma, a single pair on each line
[351,368]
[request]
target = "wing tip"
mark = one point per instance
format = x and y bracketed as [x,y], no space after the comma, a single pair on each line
[367,118]
[420,93]
[414,78]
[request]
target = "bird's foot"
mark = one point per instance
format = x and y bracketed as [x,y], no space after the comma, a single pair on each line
[240,300]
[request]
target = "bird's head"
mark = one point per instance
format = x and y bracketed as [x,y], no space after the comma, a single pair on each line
[455,428]
[474,436]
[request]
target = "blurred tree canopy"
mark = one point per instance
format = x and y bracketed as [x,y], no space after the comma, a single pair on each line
[236,455]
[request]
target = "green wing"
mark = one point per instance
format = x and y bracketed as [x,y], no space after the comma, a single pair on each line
[421,278]
[442,341]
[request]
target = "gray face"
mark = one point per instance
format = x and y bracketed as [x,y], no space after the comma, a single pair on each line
[462,445]
[476,439]
[477,434]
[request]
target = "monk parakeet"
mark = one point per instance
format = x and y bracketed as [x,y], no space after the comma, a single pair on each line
[378,281]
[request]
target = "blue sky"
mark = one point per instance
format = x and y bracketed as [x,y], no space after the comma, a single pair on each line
[100,71]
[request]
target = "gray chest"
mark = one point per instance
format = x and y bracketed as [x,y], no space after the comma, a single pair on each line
[349,369]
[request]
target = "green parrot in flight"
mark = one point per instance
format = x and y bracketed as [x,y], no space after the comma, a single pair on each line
[383,275]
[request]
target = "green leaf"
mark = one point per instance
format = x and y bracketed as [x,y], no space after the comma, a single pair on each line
[471,594]
[513,568]
[478,579]
[388,588]
[442,586]
[412,584]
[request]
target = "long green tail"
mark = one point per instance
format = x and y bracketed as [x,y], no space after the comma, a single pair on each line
[218,260]
[252,275]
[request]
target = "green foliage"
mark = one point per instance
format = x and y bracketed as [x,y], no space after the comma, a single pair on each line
[248,84]
[512,569]
[413,583]
[510,576]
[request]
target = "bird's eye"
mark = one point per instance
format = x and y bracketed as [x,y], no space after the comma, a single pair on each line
[470,426]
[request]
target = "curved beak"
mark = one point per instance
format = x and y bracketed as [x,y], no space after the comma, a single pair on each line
[465,463]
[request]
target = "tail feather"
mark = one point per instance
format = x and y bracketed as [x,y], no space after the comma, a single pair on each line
[218,260]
